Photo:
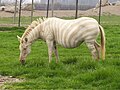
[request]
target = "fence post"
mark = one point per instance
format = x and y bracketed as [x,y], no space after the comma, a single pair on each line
[0,2]
[32,10]
[52,7]
[47,8]
[19,21]
[76,14]
[100,1]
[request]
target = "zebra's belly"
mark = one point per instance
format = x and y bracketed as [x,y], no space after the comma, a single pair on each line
[70,43]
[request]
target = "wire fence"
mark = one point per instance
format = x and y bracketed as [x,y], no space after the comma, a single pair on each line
[21,13]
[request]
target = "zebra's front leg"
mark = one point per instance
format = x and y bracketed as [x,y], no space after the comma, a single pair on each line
[56,52]
[50,49]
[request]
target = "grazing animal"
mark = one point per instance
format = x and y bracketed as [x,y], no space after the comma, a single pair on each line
[67,33]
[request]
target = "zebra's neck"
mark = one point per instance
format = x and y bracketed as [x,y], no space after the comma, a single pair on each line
[34,34]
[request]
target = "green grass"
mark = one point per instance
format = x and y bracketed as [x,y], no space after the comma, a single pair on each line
[76,69]
[105,20]
[9,20]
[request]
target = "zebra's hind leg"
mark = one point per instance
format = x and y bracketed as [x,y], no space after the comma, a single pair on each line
[56,52]
[97,46]
[92,48]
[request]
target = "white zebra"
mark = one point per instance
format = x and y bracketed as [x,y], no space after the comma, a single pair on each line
[67,33]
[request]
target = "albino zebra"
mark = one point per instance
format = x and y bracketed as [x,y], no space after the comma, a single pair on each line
[67,33]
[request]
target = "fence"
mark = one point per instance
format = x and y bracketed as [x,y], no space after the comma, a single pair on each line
[21,14]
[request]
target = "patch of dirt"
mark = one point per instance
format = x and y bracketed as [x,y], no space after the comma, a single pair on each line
[106,10]
[5,31]
[11,25]
[8,79]
[67,13]
[5,25]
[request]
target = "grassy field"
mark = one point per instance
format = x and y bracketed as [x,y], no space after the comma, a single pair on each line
[76,69]
[112,19]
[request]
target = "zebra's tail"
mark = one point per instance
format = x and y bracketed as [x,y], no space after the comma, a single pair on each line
[102,42]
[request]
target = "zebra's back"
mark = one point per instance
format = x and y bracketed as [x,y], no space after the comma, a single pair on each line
[71,33]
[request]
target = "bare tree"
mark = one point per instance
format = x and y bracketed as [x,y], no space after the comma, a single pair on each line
[20,1]
[102,3]
[23,1]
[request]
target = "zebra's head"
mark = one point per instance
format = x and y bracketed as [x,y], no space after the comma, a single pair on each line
[25,48]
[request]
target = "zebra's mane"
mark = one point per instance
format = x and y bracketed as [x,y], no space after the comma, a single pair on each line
[32,26]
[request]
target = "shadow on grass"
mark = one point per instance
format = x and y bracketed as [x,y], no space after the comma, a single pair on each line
[70,61]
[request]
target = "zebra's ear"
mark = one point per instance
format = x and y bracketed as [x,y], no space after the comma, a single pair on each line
[18,38]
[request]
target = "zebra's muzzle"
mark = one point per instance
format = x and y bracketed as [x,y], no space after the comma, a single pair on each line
[22,62]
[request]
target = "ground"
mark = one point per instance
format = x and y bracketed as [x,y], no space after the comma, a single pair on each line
[113,10]
[8,79]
